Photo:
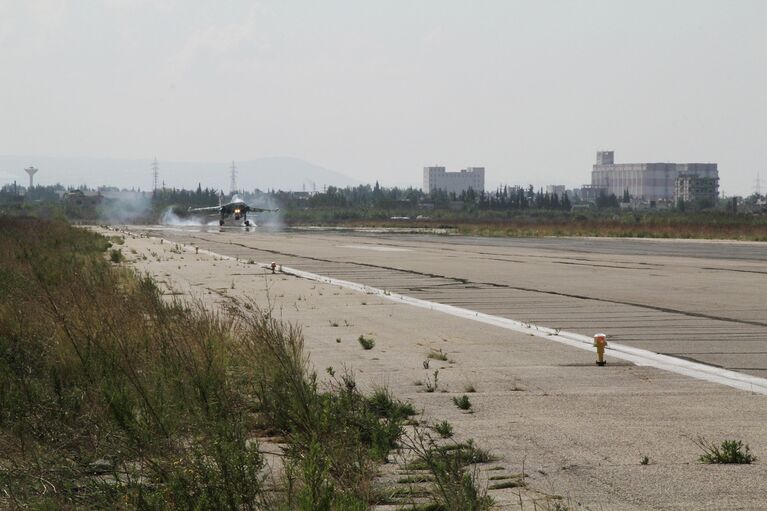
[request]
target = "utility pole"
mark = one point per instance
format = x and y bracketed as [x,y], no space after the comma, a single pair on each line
[233,178]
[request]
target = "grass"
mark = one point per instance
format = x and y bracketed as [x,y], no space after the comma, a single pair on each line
[432,384]
[415,479]
[444,429]
[383,404]
[167,397]
[116,255]
[529,223]
[512,483]
[729,451]
[437,354]
[462,402]
[456,486]
[367,343]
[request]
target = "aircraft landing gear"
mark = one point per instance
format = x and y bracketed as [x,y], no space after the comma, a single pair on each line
[221,222]
[247,223]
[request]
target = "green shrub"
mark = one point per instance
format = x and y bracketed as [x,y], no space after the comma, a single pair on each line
[444,429]
[116,255]
[730,451]
[367,343]
[383,404]
[462,402]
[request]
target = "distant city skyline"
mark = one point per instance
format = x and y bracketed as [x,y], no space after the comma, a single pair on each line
[528,89]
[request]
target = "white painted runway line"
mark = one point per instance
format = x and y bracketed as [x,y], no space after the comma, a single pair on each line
[377,248]
[636,356]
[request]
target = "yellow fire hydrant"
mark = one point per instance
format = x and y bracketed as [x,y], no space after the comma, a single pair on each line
[600,341]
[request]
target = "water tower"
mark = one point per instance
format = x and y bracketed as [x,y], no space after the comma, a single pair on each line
[31,171]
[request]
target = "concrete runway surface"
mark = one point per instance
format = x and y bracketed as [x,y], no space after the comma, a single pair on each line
[703,301]
[543,408]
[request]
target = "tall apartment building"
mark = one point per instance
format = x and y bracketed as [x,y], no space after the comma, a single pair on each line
[436,178]
[647,181]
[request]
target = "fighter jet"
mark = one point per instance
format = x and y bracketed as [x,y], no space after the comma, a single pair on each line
[237,208]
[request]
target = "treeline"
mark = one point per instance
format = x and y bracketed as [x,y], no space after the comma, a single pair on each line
[199,198]
[516,197]
[366,196]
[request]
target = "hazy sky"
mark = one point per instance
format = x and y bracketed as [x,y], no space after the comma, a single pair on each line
[378,89]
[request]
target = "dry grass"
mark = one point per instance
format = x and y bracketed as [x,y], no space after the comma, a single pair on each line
[114,397]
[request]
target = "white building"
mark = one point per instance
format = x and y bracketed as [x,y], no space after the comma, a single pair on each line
[559,190]
[436,178]
[648,181]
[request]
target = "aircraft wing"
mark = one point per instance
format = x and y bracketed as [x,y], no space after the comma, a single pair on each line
[209,209]
[261,210]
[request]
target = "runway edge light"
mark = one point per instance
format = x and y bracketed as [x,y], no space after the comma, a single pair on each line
[600,341]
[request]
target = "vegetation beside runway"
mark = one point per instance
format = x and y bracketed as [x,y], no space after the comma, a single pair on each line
[114,396]
[623,224]
[508,211]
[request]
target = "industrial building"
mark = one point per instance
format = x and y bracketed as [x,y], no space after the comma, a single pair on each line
[645,181]
[436,178]
[558,190]
[694,188]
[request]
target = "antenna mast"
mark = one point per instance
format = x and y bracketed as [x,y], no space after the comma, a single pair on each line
[155,174]
[233,178]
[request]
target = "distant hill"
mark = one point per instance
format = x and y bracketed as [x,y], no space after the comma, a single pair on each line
[279,173]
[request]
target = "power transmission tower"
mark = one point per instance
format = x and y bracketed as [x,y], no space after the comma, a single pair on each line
[155,174]
[233,179]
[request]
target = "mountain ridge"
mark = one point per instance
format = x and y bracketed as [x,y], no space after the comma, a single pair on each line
[265,173]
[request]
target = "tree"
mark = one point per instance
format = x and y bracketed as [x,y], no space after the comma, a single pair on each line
[605,201]
[566,202]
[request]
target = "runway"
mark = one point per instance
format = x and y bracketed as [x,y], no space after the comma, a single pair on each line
[702,301]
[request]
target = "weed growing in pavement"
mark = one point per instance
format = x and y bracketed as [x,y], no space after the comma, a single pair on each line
[367,343]
[462,402]
[645,460]
[432,385]
[456,486]
[510,483]
[437,354]
[730,451]
[444,429]
[383,403]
